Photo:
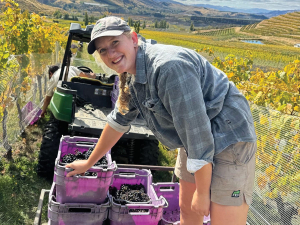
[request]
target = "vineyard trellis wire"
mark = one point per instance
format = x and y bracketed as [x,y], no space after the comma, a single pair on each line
[276,198]
[25,94]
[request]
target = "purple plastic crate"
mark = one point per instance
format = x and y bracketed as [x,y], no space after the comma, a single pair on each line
[124,214]
[114,98]
[115,92]
[171,214]
[30,113]
[75,213]
[81,189]
[116,83]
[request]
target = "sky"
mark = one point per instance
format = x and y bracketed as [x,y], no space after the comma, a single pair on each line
[247,4]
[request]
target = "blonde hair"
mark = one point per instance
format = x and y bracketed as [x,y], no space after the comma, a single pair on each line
[124,93]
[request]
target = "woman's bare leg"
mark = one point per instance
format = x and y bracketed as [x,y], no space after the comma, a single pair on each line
[228,215]
[187,216]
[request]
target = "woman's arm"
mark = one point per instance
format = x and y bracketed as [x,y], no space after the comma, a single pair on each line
[89,75]
[45,105]
[201,198]
[107,140]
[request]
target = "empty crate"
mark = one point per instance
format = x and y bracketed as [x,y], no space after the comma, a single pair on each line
[75,213]
[30,113]
[136,213]
[81,189]
[171,214]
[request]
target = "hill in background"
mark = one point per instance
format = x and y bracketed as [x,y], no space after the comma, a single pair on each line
[257,11]
[151,9]
[37,7]
[285,26]
[172,12]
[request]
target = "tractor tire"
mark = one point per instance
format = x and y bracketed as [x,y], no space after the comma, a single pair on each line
[148,152]
[53,131]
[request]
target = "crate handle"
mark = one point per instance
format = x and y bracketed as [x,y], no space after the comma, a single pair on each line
[139,213]
[167,188]
[129,202]
[79,210]
[130,174]
[81,143]
[93,167]
[88,177]
[126,174]
[85,145]
[166,205]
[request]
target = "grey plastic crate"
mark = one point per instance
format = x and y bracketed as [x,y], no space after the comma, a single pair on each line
[75,213]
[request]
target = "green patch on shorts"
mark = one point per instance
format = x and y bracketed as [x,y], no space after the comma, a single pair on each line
[236,194]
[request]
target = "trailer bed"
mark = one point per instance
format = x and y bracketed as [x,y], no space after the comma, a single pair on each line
[94,121]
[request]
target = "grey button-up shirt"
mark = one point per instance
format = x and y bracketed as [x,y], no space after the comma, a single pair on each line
[186,102]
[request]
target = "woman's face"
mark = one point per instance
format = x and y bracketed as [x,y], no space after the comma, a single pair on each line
[118,52]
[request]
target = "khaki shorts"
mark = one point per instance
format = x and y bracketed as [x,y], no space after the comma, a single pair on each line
[233,173]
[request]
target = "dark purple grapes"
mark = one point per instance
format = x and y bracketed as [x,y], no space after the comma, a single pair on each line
[94,174]
[68,158]
[88,153]
[129,193]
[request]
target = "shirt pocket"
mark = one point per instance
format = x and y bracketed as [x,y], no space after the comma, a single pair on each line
[156,107]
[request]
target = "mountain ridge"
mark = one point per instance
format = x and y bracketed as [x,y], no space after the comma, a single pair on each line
[150,7]
[257,11]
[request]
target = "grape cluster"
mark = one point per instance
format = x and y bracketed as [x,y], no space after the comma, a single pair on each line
[69,158]
[102,161]
[129,193]
[90,174]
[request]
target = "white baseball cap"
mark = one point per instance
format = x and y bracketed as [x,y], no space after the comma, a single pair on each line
[107,26]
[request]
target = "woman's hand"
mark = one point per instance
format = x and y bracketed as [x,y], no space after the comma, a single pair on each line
[201,203]
[79,167]
[44,112]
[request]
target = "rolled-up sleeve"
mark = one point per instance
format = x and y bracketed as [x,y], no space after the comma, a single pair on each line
[119,122]
[183,98]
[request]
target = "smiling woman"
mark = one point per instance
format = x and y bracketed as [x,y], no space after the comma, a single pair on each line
[118,52]
[189,104]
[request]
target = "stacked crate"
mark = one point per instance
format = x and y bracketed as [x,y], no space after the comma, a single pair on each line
[115,92]
[79,199]
[136,213]
[171,214]
[86,200]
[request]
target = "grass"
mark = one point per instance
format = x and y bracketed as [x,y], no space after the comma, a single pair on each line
[20,187]
[165,158]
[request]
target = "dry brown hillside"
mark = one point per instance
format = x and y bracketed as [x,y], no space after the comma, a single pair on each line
[284,27]
[151,6]
[37,7]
